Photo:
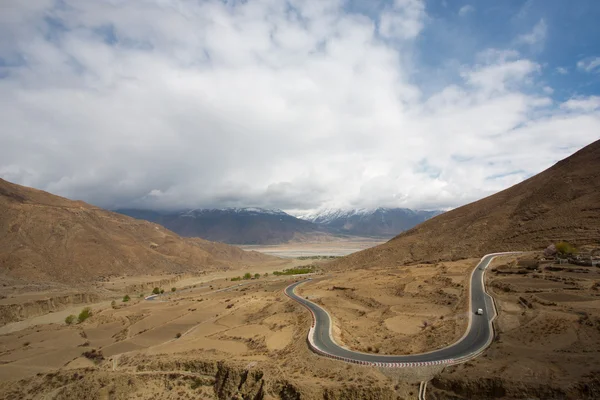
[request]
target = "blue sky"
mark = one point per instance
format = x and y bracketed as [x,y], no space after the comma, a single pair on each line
[297,105]
[569,33]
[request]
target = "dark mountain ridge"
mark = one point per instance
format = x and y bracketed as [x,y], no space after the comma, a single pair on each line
[231,225]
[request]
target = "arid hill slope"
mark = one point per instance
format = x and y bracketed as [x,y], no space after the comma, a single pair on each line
[44,237]
[561,203]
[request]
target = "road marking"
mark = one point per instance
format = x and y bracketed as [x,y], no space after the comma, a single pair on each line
[391,364]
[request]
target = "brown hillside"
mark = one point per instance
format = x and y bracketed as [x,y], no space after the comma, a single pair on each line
[49,238]
[561,203]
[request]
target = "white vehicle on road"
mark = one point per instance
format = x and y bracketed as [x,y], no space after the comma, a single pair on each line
[479,311]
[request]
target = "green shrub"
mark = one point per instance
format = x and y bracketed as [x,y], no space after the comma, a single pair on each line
[237,278]
[247,276]
[70,319]
[162,291]
[178,335]
[565,249]
[155,290]
[173,289]
[256,276]
[84,314]
[126,298]
[307,269]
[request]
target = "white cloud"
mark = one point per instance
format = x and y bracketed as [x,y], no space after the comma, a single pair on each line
[582,104]
[496,56]
[590,64]
[501,76]
[404,20]
[216,104]
[536,36]
[562,70]
[466,10]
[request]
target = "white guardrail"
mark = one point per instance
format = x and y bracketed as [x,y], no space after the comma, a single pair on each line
[450,361]
[323,353]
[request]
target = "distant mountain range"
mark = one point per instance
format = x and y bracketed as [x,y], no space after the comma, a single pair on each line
[263,226]
[229,225]
[384,222]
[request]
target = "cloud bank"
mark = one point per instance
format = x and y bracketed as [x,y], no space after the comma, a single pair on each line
[297,105]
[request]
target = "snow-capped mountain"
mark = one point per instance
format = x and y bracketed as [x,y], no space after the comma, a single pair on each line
[240,211]
[249,225]
[380,221]
[328,215]
[253,225]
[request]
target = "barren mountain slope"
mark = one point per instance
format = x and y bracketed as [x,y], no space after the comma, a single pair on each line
[48,238]
[561,203]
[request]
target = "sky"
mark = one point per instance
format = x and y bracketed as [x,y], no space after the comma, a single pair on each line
[294,105]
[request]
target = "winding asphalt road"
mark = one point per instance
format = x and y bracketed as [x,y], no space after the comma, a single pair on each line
[478,336]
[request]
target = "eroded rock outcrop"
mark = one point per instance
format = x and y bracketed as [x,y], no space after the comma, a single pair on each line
[34,308]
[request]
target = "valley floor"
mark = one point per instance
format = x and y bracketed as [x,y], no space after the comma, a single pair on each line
[336,248]
[217,338]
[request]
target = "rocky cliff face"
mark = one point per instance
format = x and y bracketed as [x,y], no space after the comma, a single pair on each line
[148,379]
[17,312]
[144,287]
[144,377]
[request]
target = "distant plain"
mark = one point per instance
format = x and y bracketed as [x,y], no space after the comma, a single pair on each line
[336,248]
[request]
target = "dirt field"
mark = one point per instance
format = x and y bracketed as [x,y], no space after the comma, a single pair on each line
[396,310]
[248,326]
[23,305]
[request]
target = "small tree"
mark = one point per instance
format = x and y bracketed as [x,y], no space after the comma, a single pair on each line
[155,290]
[70,319]
[84,314]
[162,291]
[256,276]
[126,298]
[173,289]
[247,275]
[565,249]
